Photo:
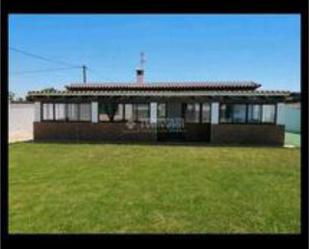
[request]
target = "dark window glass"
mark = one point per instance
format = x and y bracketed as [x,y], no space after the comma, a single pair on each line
[72,112]
[85,112]
[206,113]
[102,111]
[268,114]
[110,112]
[239,113]
[161,110]
[254,113]
[142,112]
[232,113]
[226,113]
[48,112]
[59,111]
[192,113]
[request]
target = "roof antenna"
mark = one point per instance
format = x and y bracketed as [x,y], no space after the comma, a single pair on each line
[142,61]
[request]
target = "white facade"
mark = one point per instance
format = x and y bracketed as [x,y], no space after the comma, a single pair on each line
[153,113]
[94,112]
[214,113]
[21,118]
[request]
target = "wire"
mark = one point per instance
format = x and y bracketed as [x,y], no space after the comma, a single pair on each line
[40,57]
[44,70]
[52,61]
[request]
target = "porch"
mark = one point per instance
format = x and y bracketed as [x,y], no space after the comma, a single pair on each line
[217,123]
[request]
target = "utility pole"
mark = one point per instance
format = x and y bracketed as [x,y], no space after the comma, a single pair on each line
[84,74]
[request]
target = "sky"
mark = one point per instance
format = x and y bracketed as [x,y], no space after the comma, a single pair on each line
[262,48]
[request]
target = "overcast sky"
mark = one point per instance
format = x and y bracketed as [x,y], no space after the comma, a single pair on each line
[262,48]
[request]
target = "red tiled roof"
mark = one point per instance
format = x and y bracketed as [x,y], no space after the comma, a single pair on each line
[159,93]
[202,85]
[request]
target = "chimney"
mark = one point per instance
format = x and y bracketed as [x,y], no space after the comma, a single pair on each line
[140,71]
[140,76]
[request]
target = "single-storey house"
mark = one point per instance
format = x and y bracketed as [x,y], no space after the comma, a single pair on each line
[214,112]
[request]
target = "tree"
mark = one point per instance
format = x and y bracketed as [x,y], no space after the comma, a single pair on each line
[49,89]
[110,109]
[11,96]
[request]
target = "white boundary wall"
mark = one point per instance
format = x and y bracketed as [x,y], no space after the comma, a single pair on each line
[21,118]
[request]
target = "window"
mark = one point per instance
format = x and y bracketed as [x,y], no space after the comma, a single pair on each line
[59,111]
[254,113]
[233,113]
[161,110]
[48,111]
[192,113]
[102,111]
[110,112]
[142,112]
[206,113]
[239,113]
[226,113]
[85,112]
[268,114]
[72,112]
[128,112]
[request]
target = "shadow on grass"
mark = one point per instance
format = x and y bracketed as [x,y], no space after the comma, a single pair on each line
[150,143]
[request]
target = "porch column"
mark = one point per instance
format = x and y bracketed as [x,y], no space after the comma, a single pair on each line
[214,113]
[94,112]
[37,111]
[280,114]
[153,113]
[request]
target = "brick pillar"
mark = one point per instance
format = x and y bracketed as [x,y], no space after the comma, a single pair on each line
[94,112]
[280,114]
[37,111]
[214,113]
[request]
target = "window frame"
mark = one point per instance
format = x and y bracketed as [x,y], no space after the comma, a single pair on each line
[42,112]
[275,114]
[114,121]
[260,116]
[66,112]
[78,112]
[165,114]
[135,112]
[247,114]
[200,112]
[67,107]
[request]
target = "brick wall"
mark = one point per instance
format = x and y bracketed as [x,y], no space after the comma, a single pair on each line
[219,134]
[197,132]
[263,134]
[91,131]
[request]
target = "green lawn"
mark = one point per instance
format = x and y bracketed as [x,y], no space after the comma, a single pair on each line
[153,188]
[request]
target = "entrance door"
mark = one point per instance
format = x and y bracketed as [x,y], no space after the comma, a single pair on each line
[173,127]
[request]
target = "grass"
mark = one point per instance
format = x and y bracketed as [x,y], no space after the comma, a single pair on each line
[94,188]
